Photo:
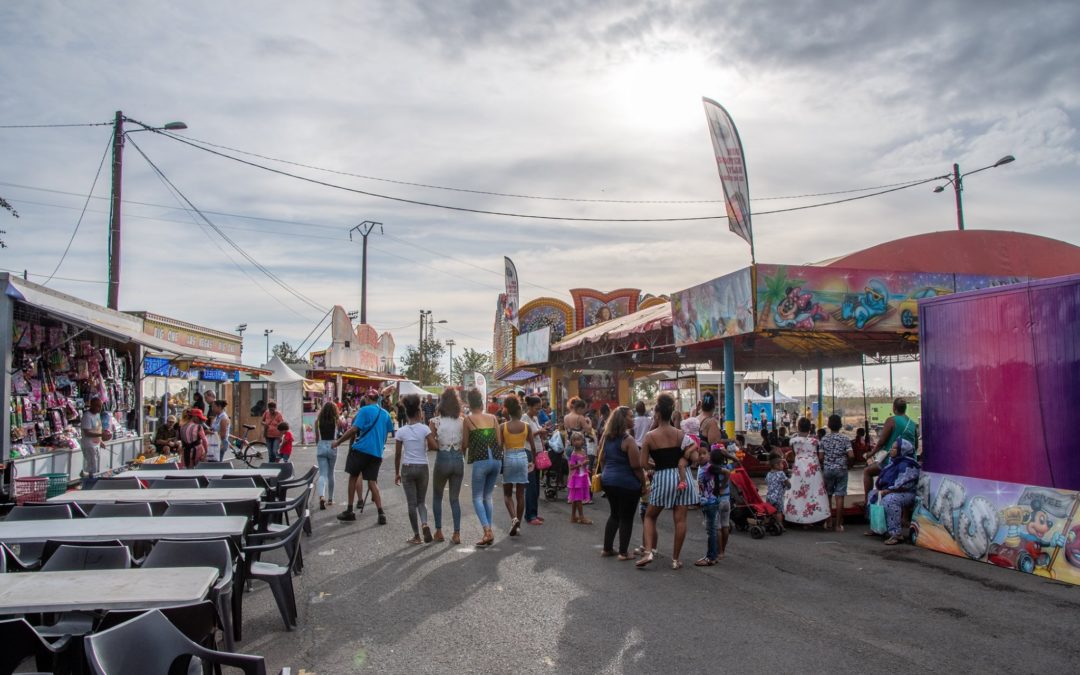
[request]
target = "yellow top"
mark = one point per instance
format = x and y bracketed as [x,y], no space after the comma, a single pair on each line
[514,441]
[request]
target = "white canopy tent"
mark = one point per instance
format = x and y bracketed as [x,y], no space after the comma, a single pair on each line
[406,387]
[289,394]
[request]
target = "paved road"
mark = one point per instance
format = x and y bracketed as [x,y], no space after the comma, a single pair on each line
[547,603]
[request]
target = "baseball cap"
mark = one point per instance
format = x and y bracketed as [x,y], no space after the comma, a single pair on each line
[198,414]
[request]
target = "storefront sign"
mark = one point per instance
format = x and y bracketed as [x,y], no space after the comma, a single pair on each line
[213,375]
[154,366]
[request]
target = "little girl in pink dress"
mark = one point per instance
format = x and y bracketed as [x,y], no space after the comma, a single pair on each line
[579,487]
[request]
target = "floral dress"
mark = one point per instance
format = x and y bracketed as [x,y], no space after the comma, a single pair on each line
[806,501]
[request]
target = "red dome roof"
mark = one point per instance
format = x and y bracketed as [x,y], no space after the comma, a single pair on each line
[985,252]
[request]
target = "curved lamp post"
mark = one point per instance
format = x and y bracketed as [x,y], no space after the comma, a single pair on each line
[957,180]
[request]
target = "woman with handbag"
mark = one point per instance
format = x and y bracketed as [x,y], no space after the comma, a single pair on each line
[671,451]
[895,490]
[622,479]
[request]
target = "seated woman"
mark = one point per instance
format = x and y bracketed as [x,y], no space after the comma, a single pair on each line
[896,487]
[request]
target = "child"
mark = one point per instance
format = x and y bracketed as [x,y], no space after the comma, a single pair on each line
[578,485]
[285,450]
[713,484]
[776,483]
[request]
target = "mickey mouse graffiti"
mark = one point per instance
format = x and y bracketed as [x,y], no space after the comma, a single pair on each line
[798,310]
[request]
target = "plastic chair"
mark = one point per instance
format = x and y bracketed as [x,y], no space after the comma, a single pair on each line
[260,482]
[116,484]
[40,512]
[169,483]
[231,483]
[110,652]
[214,465]
[198,622]
[285,469]
[203,480]
[283,486]
[76,510]
[70,557]
[202,553]
[21,642]
[195,509]
[128,510]
[271,515]
[279,577]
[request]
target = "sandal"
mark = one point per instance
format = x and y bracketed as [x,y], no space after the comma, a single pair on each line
[414,541]
[893,541]
[704,562]
[455,538]
[624,558]
[676,564]
[607,554]
[645,560]
[639,551]
[439,536]
[488,540]
[584,521]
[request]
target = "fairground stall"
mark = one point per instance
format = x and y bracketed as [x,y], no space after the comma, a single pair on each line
[357,359]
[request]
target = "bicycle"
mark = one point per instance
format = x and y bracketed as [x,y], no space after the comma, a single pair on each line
[251,453]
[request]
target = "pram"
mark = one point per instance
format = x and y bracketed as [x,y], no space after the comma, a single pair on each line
[555,476]
[749,511]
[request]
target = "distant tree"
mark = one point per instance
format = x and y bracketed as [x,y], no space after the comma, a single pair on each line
[6,205]
[433,352]
[470,361]
[645,390]
[286,353]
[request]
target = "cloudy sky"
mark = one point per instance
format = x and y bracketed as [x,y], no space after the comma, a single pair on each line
[561,99]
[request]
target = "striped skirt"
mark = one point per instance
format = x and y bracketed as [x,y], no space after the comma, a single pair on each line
[665,489]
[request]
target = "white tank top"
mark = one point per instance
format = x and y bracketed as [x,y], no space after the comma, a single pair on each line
[449,429]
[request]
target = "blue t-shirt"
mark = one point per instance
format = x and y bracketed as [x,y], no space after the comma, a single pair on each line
[374,425]
[542,417]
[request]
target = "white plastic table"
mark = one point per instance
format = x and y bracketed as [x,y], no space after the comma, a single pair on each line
[162,495]
[89,590]
[124,529]
[151,474]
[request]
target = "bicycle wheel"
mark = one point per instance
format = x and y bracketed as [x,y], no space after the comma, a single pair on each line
[255,454]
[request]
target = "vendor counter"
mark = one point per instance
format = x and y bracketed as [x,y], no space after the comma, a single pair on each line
[112,455]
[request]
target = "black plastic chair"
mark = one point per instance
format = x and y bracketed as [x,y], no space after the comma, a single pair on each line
[202,553]
[195,509]
[170,466]
[52,546]
[285,469]
[170,483]
[203,480]
[110,652]
[260,482]
[128,510]
[231,483]
[215,465]
[40,512]
[283,486]
[271,515]
[71,557]
[20,642]
[76,509]
[198,622]
[279,577]
[117,484]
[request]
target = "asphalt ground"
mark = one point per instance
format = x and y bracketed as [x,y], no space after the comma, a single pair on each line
[546,602]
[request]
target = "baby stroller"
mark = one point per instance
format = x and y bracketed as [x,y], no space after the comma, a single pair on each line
[554,478]
[749,510]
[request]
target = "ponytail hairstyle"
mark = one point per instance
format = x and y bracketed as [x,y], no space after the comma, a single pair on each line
[708,402]
[665,405]
[412,405]
[512,406]
[476,401]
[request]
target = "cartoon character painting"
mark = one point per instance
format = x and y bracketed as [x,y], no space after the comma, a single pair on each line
[868,305]
[1027,535]
[1072,547]
[798,310]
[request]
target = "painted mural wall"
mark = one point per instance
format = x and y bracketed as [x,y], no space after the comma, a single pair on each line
[1035,530]
[592,306]
[716,309]
[836,299]
[550,312]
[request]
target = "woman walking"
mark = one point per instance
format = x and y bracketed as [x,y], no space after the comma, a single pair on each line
[671,451]
[485,455]
[326,428]
[622,478]
[806,501]
[449,469]
[517,462]
[411,469]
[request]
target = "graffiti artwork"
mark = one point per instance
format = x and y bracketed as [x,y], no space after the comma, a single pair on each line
[541,312]
[719,308]
[592,306]
[836,299]
[1031,529]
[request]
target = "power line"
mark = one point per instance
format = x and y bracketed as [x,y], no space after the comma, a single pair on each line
[74,232]
[319,323]
[53,126]
[35,274]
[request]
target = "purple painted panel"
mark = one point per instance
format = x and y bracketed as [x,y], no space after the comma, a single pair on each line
[1001,383]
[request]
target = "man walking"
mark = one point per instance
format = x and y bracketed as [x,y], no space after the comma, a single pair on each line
[370,428]
[428,408]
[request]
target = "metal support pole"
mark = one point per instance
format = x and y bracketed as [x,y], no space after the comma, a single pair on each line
[729,387]
[958,187]
[420,352]
[891,395]
[114,218]
[364,229]
[820,396]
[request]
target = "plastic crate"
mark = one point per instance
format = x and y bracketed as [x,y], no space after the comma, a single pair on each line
[31,489]
[58,484]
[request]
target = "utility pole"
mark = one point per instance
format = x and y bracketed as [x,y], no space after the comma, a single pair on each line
[364,229]
[114,216]
[420,348]
[266,334]
[450,343]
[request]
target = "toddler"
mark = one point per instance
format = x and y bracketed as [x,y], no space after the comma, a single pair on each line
[776,483]
[578,485]
[285,449]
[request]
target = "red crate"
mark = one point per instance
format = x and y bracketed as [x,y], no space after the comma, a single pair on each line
[31,489]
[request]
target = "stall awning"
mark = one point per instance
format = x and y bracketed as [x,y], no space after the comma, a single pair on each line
[521,376]
[353,374]
[108,322]
[642,321]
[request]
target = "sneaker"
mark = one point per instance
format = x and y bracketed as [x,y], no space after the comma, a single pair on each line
[382,518]
[347,516]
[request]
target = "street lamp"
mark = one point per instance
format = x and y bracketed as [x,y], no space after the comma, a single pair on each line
[957,181]
[117,180]
[425,321]
[450,343]
[266,334]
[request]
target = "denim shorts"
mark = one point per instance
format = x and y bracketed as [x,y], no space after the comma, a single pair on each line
[836,482]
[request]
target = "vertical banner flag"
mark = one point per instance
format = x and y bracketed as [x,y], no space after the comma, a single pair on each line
[511,292]
[731,163]
[480,382]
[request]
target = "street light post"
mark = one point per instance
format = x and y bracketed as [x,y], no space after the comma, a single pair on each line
[240,329]
[266,334]
[957,181]
[450,343]
[117,187]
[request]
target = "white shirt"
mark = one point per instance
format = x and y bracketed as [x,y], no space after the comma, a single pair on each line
[538,443]
[449,432]
[413,439]
[642,424]
[90,422]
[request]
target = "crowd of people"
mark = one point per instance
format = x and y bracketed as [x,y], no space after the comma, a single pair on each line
[641,462]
